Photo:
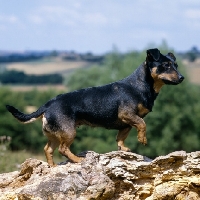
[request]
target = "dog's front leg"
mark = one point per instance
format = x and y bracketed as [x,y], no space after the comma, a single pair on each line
[141,129]
[138,122]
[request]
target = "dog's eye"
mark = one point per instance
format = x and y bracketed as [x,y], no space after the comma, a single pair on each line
[167,66]
[163,64]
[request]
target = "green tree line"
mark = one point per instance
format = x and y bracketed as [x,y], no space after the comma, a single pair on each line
[173,124]
[19,77]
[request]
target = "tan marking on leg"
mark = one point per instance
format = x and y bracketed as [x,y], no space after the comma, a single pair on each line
[66,140]
[64,149]
[62,138]
[141,128]
[52,144]
[49,149]
[134,120]
[121,136]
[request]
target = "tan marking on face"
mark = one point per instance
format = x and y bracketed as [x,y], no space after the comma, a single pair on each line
[158,83]
[171,77]
[142,111]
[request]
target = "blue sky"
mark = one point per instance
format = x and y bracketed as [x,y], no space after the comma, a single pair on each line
[97,25]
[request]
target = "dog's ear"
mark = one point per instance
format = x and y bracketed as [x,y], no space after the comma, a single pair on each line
[153,55]
[171,55]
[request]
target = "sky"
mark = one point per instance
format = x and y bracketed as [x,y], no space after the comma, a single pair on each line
[98,26]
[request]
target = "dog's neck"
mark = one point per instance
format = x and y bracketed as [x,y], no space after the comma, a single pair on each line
[157,83]
[141,78]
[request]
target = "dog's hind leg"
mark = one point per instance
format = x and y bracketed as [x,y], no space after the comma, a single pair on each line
[52,144]
[50,147]
[121,136]
[66,140]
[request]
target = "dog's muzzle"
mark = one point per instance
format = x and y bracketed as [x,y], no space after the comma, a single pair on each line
[181,78]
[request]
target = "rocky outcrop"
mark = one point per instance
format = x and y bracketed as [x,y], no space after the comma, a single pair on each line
[115,175]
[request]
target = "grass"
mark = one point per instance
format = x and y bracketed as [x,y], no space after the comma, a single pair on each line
[12,160]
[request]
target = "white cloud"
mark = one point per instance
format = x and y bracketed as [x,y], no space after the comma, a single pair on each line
[9,19]
[10,22]
[36,19]
[94,18]
[67,16]
[193,19]
[53,14]
[193,14]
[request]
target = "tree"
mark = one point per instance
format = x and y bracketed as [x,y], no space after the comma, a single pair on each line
[193,54]
[24,136]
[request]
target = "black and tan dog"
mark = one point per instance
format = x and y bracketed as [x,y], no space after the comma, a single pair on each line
[120,105]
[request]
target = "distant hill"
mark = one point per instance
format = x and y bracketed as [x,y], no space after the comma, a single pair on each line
[21,56]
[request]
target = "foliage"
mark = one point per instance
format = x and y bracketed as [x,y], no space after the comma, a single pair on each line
[114,67]
[192,55]
[19,77]
[27,136]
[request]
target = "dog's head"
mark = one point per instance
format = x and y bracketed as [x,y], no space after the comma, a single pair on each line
[163,68]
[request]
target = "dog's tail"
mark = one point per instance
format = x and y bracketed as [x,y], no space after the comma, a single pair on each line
[26,118]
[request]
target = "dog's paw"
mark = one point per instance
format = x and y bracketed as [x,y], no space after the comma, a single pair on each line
[124,149]
[142,140]
[52,165]
[77,159]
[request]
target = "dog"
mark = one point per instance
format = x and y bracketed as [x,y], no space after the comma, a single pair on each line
[120,105]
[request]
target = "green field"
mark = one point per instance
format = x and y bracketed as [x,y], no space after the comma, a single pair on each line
[47,66]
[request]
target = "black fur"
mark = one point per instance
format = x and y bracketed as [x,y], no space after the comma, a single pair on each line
[97,106]
[25,117]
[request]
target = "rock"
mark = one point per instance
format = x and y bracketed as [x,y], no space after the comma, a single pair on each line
[115,175]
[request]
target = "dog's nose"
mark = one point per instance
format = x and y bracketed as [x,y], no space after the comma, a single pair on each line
[181,78]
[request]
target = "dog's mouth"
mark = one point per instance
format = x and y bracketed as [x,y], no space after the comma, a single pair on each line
[167,82]
[173,82]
